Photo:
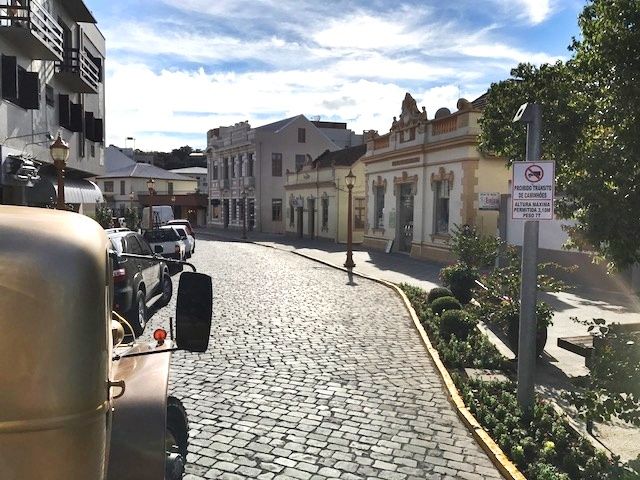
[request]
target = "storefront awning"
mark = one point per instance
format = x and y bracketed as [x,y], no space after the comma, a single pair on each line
[76,191]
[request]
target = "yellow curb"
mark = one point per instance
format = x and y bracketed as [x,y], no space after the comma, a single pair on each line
[490,447]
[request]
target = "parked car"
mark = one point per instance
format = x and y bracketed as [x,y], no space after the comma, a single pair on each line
[138,283]
[186,223]
[166,242]
[190,242]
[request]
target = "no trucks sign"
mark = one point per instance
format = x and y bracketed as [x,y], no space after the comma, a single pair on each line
[532,192]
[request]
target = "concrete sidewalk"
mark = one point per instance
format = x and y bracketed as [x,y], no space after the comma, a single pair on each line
[558,366]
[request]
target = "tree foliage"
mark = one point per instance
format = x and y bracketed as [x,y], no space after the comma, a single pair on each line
[591,127]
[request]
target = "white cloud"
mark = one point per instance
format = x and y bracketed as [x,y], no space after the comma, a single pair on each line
[334,60]
[533,11]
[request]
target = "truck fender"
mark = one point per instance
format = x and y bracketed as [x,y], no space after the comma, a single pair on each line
[137,450]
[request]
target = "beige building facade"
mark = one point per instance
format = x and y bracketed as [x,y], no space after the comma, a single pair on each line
[425,176]
[317,196]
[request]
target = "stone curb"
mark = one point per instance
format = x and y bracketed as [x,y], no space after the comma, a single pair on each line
[490,447]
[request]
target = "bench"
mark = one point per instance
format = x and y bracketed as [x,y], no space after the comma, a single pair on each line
[583,345]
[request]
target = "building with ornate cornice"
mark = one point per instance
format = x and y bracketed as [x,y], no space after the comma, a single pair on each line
[254,162]
[425,176]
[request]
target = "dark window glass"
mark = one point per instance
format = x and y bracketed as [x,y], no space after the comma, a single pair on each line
[276,209]
[302,135]
[276,164]
[133,246]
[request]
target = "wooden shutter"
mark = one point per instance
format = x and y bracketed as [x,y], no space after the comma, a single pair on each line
[29,90]
[64,110]
[75,124]
[99,130]
[10,78]
[89,126]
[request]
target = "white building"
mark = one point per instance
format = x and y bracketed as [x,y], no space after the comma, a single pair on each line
[52,68]
[256,161]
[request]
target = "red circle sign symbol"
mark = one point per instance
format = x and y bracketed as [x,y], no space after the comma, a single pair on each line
[534,173]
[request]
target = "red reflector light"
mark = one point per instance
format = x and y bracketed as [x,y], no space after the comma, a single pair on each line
[177,249]
[160,335]
[119,275]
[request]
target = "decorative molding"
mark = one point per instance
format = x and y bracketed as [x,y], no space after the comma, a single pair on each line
[406,161]
[442,175]
[404,179]
[380,183]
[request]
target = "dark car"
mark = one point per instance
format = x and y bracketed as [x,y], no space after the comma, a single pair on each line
[138,282]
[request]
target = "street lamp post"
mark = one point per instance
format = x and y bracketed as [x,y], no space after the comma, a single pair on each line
[60,153]
[350,180]
[244,213]
[150,185]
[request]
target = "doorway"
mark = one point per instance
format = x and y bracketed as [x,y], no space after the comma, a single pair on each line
[404,232]
[312,217]
[300,215]
[225,212]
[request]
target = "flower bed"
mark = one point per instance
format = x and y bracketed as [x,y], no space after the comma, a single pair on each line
[544,447]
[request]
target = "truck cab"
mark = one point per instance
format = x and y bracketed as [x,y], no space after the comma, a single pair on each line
[77,401]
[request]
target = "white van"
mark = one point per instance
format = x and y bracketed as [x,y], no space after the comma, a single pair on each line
[161,215]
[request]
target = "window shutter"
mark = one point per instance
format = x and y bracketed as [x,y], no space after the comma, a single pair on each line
[75,124]
[89,126]
[29,93]
[64,110]
[99,130]
[9,78]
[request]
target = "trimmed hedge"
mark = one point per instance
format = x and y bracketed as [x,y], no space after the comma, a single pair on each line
[441,304]
[457,323]
[438,292]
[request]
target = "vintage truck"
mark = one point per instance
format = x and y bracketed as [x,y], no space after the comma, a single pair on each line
[77,401]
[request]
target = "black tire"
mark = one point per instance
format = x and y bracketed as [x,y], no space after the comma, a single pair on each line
[166,288]
[177,426]
[138,314]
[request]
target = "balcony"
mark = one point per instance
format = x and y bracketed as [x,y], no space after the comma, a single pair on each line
[32,29]
[249,182]
[78,71]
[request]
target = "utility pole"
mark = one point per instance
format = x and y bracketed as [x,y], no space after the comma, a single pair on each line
[531,114]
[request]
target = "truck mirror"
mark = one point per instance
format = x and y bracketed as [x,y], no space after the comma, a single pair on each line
[193,312]
[158,249]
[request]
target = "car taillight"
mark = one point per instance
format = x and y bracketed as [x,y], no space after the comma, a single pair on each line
[119,275]
[177,249]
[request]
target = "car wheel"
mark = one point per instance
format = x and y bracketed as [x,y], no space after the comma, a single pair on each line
[176,438]
[138,313]
[167,288]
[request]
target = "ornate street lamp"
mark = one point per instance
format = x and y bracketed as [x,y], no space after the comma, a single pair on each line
[351,181]
[150,185]
[60,153]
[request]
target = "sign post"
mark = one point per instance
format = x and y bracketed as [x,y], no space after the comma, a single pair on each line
[530,174]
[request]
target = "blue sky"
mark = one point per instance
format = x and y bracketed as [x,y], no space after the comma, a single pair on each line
[178,68]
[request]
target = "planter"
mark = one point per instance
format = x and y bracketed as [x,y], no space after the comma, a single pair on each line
[514,330]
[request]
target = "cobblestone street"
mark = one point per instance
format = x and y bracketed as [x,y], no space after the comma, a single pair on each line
[308,377]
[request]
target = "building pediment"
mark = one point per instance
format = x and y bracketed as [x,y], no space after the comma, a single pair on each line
[410,115]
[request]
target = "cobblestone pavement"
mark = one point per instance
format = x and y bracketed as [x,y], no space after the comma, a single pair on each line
[310,378]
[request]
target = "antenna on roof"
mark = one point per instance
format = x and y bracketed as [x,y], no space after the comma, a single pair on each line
[316,118]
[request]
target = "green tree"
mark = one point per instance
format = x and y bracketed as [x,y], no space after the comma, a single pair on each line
[591,127]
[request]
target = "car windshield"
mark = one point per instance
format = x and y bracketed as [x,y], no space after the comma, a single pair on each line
[161,235]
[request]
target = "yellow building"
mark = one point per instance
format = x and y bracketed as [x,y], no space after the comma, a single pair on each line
[317,196]
[425,176]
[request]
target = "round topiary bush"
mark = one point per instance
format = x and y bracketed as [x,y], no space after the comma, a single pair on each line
[438,292]
[441,304]
[456,322]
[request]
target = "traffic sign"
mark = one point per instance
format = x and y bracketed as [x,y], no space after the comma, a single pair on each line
[532,190]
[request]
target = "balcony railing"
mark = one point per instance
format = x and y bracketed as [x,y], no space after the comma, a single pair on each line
[31,28]
[78,71]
